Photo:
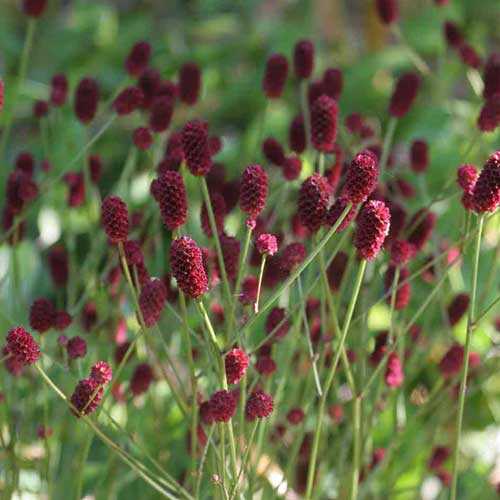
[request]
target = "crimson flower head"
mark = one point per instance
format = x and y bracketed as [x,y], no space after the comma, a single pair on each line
[230,247]
[138,58]
[149,82]
[76,188]
[404,94]
[491,76]
[196,147]
[128,100]
[361,177]
[186,263]
[101,372]
[387,10]
[277,323]
[295,416]
[292,256]
[259,405]
[451,363]
[58,90]
[324,116]
[236,363]
[438,457]
[372,228]
[142,137]
[267,244]
[313,201]
[162,108]
[489,116]
[303,59]
[419,156]
[336,210]
[403,289]
[423,223]
[22,346]
[34,8]
[265,365]
[189,83]
[486,192]
[469,56]
[63,320]
[275,75]
[152,301]
[76,347]
[453,34]
[457,308]
[86,396]
[292,168]
[40,108]
[253,190]
[401,252]
[336,270]
[58,266]
[333,82]
[394,372]
[273,151]
[171,196]
[248,293]
[467,177]
[221,406]
[86,100]
[115,220]
[297,135]
[141,379]
[42,315]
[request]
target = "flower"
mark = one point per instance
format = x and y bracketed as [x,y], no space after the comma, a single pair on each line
[42,315]
[115,220]
[275,75]
[22,346]
[277,323]
[152,301]
[265,365]
[361,177]
[324,116]
[141,379]
[422,224]
[138,58]
[332,83]
[253,190]
[34,8]
[486,191]
[372,228]
[313,201]
[403,289]
[267,244]
[387,11]
[451,363]
[196,147]
[457,308]
[336,270]
[160,116]
[303,59]
[273,151]
[236,364]
[86,100]
[292,256]
[394,373]
[189,83]
[419,156]
[58,90]
[404,94]
[297,135]
[259,405]
[76,347]
[142,138]
[58,266]
[491,76]
[171,196]
[128,100]
[295,416]
[219,211]
[221,406]
[292,167]
[101,372]
[336,210]
[86,396]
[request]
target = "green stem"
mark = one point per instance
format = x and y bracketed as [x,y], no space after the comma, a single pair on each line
[419,63]
[46,420]
[304,84]
[465,363]
[202,462]
[386,147]
[356,447]
[81,468]
[259,285]
[321,164]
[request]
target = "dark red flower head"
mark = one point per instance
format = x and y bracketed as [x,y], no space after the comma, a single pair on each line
[162,108]
[419,156]
[336,210]
[42,315]
[453,34]
[141,379]
[63,320]
[189,83]
[76,188]
[336,270]
[438,457]
[295,416]
[142,137]
[451,363]
[297,135]
[40,108]
[86,100]
[303,59]
[361,177]
[394,372]
[259,405]
[275,75]
[248,293]
[388,11]
[25,163]
[95,167]
[324,115]
[58,265]
[401,252]
[236,363]
[277,323]
[486,192]
[404,94]
[273,151]
[230,247]
[467,177]
[86,396]
[138,58]
[22,346]
[171,196]
[186,263]
[372,228]
[152,301]
[114,218]
[313,200]
[253,190]
[491,76]
[333,81]
[34,8]
[489,116]
[196,147]
[76,347]
[292,168]
[423,223]
[221,406]
[403,290]
[58,90]
[457,308]
[267,244]
[149,82]
[265,365]
[101,372]
[128,100]
[470,57]
[292,256]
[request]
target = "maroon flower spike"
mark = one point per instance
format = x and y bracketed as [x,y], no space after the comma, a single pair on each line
[59,267]
[275,75]
[354,122]
[196,147]
[467,177]
[186,263]
[25,162]
[372,228]
[303,59]
[470,57]
[34,8]
[439,456]
[492,76]
[141,379]
[297,135]
[86,396]
[387,10]
[58,90]
[248,293]
[295,416]
[314,91]
[42,315]
[101,372]
[161,113]
[86,100]
[115,220]
[149,82]
[219,210]
[95,167]
[423,223]
[63,320]
[451,363]
[336,210]
[403,292]
[265,366]
[292,256]
[336,270]
[457,308]
[76,188]
[419,156]
[486,192]
[401,252]
[453,34]
[236,363]
[361,177]
[138,58]
[267,244]
[128,100]
[171,196]
[76,347]
[152,301]
[221,406]
[333,83]
[40,109]
[189,83]
[230,247]
[404,94]
[259,405]
[273,151]
[313,201]
[394,376]
[489,116]
[324,113]
[292,168]
[142,137]
[22,346]
[277,323]
[253,190]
